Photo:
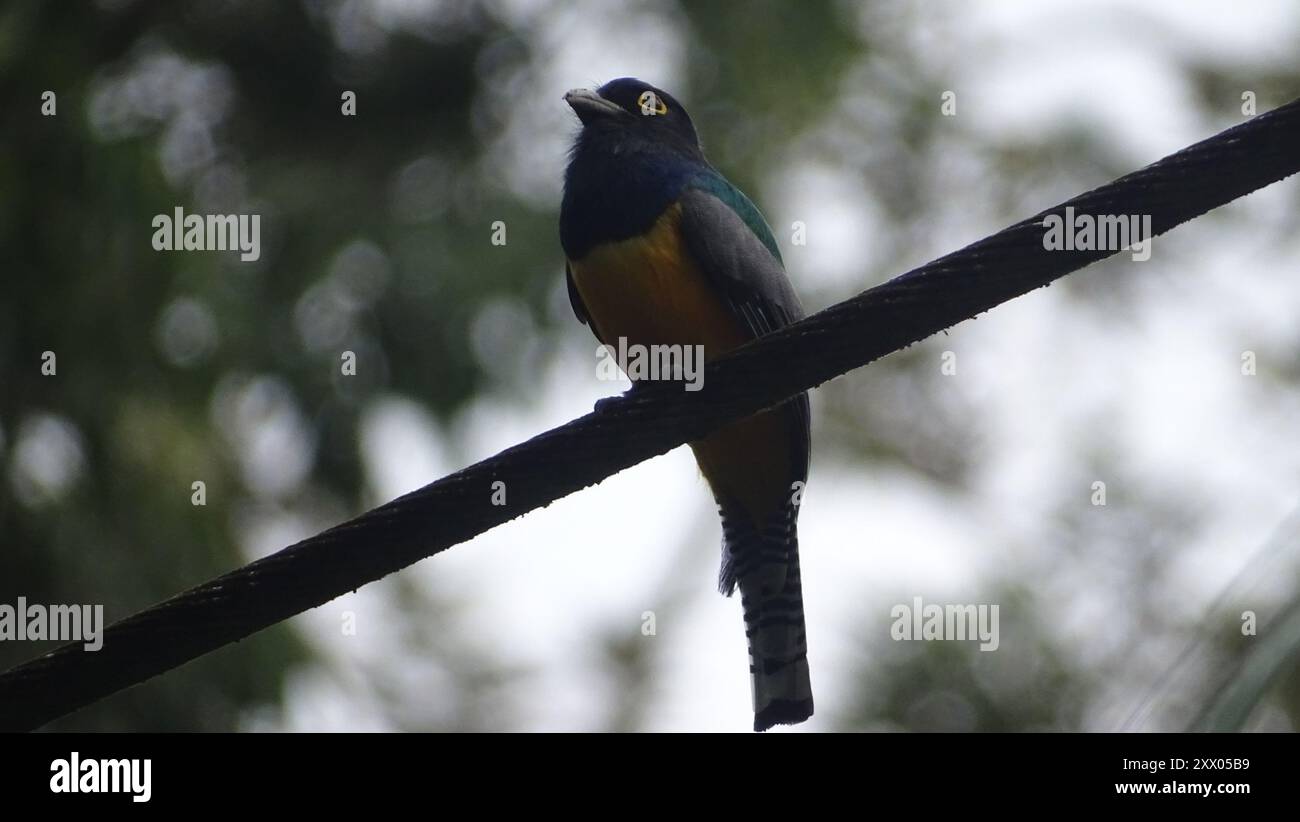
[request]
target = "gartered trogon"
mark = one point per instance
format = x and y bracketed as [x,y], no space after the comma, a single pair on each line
[663,250]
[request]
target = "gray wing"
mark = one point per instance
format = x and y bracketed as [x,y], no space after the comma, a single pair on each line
[750,278]
[738,263]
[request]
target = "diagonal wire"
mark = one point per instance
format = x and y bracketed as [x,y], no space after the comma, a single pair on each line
[649,421]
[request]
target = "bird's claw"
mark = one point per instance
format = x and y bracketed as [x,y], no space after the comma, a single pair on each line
[605,403]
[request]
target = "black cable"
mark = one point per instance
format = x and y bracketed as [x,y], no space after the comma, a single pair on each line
[651,420]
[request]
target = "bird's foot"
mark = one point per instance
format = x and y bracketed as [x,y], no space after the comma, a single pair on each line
[605,403]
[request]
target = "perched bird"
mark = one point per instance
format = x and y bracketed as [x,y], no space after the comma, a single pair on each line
[662,250]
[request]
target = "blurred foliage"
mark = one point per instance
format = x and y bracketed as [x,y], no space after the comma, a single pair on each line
[174,368]
[1026,685]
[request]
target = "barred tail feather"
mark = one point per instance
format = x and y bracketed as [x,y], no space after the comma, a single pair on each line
[765,566]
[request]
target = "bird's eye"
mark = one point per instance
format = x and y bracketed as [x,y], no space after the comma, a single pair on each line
[651,105]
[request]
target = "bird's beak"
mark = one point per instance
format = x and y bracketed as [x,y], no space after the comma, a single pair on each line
[589,105]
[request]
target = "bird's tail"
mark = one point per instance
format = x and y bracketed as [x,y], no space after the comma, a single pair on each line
[765,566]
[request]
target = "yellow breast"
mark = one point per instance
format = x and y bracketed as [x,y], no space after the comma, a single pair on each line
[649,291]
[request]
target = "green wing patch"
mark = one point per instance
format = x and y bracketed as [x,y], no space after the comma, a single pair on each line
[735,199]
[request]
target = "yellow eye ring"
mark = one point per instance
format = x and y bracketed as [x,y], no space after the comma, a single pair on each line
[651,105]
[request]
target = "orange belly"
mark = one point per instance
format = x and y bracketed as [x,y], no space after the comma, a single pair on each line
[649,291]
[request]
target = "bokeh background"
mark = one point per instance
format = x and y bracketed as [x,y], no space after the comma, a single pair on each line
[971,487]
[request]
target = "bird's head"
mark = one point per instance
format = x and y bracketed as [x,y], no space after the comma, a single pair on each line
[628,110]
